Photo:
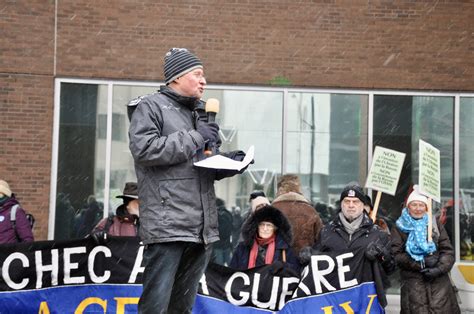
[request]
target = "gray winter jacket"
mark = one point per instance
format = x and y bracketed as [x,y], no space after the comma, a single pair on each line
[177,199]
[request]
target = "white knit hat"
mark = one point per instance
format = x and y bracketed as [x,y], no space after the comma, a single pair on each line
[416,196]
[5,188]
[259,200]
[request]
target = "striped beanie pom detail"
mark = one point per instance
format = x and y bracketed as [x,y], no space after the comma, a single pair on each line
[179,61]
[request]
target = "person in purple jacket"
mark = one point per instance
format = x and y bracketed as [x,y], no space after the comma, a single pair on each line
[9,233]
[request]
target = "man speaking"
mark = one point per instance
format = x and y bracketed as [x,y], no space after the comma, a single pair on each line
[168,132]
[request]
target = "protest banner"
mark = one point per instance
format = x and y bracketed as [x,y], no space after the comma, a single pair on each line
[80,276]
[384,173]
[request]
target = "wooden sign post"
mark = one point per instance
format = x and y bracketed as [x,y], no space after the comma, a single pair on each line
[429,180]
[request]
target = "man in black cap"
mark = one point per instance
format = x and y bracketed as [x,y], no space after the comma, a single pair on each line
[178,215]
[352,229]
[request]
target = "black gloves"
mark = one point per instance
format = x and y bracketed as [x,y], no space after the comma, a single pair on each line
[305,255]
[371,252]
[277,267]
[99,237]
[431,273]
[376,251]
[209,131]
[431,260]
[236,155]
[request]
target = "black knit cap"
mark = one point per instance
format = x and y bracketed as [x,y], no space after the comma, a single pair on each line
[354,190]
[179,61]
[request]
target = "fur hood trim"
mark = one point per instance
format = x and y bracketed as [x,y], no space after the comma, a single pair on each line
[271,214]
[292,197]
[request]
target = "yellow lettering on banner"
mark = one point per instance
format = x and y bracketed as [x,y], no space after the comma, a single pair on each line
[86,302]
[347,307]
[44,309]
[372,297]
[121,302]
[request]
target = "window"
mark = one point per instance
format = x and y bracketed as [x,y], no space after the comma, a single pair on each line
[327,145]
[249,118]
[323,137]
[399,123]
[122,169]
[466,178]
[80,176]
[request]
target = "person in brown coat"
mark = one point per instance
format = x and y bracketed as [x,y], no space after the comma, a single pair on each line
[303,218]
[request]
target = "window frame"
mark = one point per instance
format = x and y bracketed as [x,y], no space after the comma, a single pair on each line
[286,91]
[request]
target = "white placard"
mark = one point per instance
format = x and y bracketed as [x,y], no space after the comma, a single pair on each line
[429,180]
[385,170]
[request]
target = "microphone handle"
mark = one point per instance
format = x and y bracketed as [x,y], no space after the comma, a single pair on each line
[211,116]
[208,148]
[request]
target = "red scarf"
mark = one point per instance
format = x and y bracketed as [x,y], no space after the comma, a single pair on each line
[270,250]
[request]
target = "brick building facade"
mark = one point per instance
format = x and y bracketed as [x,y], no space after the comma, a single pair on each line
[392,45]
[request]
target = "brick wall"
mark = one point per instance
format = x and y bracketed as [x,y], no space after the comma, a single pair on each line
[349,44]
[407,45]
[26,104]
[25,139]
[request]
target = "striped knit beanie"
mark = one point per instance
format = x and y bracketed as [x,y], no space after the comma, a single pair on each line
[179,61]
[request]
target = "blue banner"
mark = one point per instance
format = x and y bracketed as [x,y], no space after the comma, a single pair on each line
[360,299]
[87,298]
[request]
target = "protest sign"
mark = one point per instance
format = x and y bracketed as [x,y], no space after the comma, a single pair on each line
[429,174]
[384,174]
[385,170]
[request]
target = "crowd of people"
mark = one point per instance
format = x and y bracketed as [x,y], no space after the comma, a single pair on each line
[289,230]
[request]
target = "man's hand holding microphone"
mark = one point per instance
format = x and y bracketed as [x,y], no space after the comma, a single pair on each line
[208,130]
[212,108]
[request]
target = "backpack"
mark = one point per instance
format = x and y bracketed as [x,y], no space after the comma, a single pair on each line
[109,222]
[30,217]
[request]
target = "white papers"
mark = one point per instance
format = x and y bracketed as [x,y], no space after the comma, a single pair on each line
[221,162]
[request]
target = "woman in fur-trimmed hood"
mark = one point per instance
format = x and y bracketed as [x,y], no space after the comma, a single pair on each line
[267,237]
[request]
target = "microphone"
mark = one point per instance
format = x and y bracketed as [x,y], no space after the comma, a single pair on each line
[212,108]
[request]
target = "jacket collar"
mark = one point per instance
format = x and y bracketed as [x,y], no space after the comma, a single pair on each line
[366,222]
[365,228]
[189,102]
[8,203]
[292,197]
